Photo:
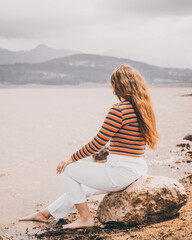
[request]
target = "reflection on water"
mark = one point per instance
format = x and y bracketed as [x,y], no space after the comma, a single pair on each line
[41,126]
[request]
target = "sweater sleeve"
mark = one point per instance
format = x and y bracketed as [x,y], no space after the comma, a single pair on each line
[110,126]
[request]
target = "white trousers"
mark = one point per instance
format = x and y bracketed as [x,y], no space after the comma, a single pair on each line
[84,179]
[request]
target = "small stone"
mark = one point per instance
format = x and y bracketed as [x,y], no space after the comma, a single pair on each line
[178,161]
[188,160]
[101,155]
[188,137]
[189,177]
[184,145]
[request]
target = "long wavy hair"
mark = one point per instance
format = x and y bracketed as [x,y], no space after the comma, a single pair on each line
[128,83]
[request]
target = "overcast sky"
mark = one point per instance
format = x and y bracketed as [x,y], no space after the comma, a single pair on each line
[154,31]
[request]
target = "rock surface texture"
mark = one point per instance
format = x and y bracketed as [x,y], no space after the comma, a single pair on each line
[149,199]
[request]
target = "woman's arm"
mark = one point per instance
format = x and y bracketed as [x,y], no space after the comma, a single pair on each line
[111,125]
[62,165]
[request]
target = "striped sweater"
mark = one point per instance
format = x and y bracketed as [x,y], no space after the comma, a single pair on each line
[121,127]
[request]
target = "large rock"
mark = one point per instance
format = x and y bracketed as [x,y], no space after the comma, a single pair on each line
[149,199]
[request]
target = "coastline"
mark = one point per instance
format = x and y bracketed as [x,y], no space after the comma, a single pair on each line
[88,85]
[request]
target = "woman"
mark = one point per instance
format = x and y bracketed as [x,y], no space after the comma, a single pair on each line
[129,125]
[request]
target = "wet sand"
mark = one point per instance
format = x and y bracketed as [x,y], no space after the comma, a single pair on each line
[39,129]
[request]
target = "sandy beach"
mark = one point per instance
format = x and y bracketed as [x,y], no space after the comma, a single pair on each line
[42,126]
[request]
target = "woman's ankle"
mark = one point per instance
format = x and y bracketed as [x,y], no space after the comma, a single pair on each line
[86,218]
[83,210]
[46,212]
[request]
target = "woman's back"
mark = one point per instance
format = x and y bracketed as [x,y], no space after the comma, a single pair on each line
[121,127]
[128,140]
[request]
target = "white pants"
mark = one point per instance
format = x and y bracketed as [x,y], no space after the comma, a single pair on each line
[85,179]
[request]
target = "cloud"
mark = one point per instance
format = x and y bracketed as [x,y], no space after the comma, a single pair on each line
[40,28]
[155,31]
[150,8]
[45,18]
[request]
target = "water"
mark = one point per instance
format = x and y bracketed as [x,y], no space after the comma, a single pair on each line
[43,125]
[39,127]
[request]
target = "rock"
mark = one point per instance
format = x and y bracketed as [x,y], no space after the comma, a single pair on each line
[189,153]
[189,177]
[148,199]
[187,95]
[188,137]
[184,145]
[178,161]
[102,154]
[186,179]
[188,160]
[186,152]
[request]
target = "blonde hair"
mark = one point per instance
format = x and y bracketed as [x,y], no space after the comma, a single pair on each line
[128,83]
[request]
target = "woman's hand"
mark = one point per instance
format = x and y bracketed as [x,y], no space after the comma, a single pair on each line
[62,165]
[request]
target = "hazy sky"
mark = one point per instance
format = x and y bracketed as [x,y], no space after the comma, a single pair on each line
[154,31]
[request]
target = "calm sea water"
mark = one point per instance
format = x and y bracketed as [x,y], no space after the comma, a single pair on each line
[41,126]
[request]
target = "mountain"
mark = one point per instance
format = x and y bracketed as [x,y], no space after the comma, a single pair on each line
[39,54]
[86,68]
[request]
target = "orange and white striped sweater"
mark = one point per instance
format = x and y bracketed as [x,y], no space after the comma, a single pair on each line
[121,127]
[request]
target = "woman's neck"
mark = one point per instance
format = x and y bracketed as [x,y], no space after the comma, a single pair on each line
[123,99]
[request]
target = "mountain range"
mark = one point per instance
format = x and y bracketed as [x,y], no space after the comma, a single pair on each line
[79,68]
[38,54]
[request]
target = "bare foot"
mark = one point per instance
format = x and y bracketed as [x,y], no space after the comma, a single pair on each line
[80,223]
[38,216]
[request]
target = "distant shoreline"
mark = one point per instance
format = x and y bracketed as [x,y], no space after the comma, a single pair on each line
[89,85]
